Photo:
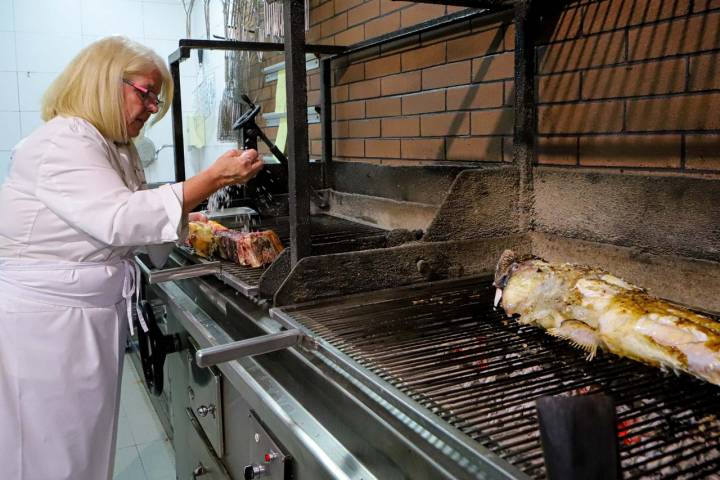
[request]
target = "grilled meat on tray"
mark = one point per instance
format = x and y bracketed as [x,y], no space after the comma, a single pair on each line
[594,309]
[253,249]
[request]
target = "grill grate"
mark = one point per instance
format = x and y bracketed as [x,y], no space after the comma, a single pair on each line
[449,350]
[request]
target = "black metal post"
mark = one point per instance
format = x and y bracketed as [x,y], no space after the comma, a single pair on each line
[177,125]
[525,107]
[298,165]
[325,119]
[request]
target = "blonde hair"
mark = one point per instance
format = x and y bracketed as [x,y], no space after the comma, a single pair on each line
[91,86]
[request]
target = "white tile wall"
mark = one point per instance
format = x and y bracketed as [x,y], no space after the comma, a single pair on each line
[7,52]
[163,20]
[9,92]
[6,15]
[10,131]
[114,17]
[31,87]
[60,17]
[45,52]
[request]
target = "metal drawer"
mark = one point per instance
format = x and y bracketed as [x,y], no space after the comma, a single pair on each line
[205,400]
[205,465]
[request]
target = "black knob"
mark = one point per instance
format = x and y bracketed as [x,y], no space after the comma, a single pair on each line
[254,471]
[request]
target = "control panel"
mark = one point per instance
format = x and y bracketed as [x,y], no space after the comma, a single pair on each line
[267,459]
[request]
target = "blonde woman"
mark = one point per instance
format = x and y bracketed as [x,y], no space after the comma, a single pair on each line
[74,209]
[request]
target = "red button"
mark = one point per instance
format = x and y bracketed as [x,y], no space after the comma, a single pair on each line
[268,457]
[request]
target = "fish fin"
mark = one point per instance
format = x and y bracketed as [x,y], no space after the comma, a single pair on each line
[580,335]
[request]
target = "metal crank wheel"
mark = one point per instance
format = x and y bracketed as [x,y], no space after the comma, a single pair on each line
[154,347]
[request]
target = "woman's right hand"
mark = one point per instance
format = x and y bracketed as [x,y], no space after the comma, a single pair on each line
[236,166]
[230,168]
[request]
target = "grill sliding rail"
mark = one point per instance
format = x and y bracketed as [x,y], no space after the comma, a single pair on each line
[449,351]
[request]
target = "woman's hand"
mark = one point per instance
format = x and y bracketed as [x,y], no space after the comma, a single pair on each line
[236,166]
[230,168]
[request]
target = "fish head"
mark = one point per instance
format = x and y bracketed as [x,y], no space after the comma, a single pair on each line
[504,269]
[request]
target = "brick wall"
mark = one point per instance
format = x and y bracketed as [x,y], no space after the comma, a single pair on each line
[621,84]
[445,96]
[631,85]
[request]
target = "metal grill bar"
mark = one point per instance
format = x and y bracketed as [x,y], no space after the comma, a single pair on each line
[447,349]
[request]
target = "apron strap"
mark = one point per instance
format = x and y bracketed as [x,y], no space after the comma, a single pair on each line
[131,287]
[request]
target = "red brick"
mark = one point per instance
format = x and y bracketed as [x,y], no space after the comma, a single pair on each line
[493,67]
[641,79]
[559,88]
[484,95]
[686,112]
[382,148]
[475,45]
[382,67]
[457,73]
[365,89]
[402,83]
[350,148]
[339,93]
[387,6]
[401,127]
[420,13]
[581,118]
[350,73]
[509,37]
[381,26]
[492,122]
[423,57]
[351,36]
[687,35]
[340,129]
[616,14]
[593,51]
[705,72]
[322,12]
[423,102]
[443,124]
[364,128]
[654,151]
[363,13]
[702,152]
[557,151]
[508,93]
[383,107]
[350,110]
[314,34]
[334,25]
[476,149]
[423,149]
[700,5]
[313,97]
[313,81]
[563,25]
[316,148]
[342,5]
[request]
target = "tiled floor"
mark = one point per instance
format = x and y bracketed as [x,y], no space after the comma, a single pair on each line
[143,450]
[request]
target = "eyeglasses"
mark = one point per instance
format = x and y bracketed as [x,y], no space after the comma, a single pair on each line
[148,97]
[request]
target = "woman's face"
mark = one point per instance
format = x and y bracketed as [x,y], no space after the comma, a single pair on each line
[140,94]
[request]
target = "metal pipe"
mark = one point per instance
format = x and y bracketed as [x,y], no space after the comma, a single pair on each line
[177,126]
[207,357]
[176,273]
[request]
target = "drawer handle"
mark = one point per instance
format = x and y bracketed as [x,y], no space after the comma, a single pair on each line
[203,410]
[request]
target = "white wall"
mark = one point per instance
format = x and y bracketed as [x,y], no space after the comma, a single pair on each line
[39,37]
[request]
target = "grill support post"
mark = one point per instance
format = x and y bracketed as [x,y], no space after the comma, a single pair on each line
[524,131]
[298,164]
[325,119]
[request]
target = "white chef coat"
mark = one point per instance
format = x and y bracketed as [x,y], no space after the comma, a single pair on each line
[72,211]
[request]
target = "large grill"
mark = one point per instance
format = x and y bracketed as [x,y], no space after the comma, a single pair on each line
[445,347]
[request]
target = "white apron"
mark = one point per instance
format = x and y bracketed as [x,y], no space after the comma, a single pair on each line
[44,308]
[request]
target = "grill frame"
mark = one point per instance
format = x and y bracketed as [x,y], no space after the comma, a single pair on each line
[601,372]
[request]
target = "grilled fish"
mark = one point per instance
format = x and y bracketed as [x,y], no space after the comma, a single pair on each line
[594,309]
